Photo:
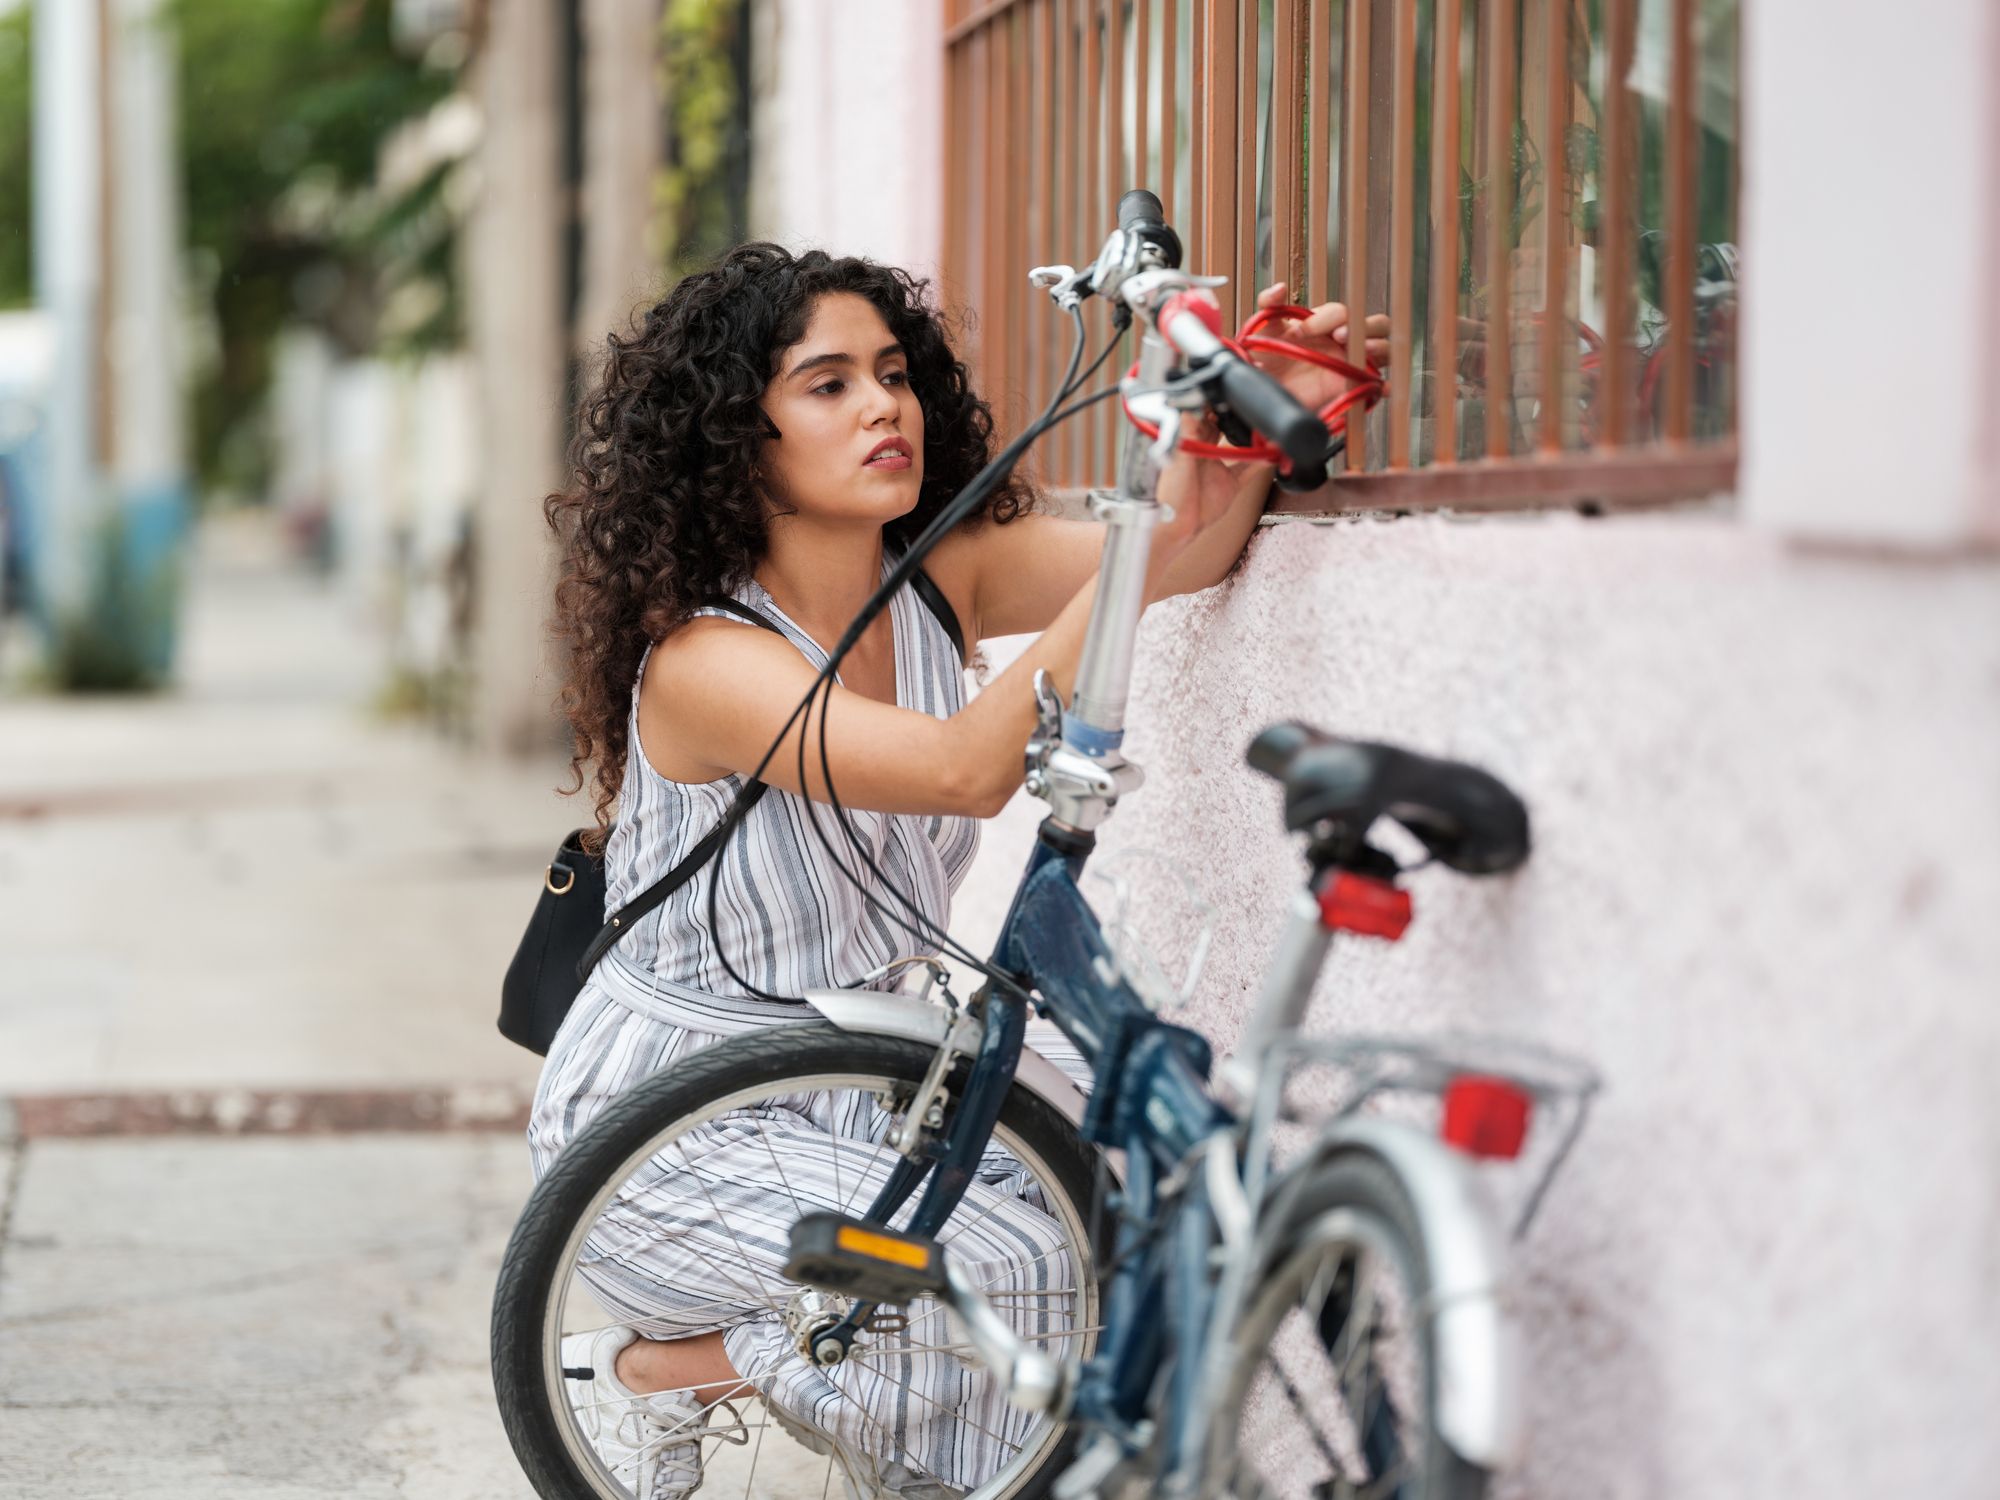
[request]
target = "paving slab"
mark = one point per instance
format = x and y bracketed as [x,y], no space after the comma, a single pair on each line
[280,1317]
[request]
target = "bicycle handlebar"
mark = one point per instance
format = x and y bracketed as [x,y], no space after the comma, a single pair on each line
[1191,322]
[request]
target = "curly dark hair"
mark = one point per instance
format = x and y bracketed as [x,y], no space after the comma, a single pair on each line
[661,512]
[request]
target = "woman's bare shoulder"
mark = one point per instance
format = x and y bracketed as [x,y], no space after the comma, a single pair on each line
[686,671]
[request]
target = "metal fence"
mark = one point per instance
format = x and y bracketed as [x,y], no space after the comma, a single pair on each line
[1540,193]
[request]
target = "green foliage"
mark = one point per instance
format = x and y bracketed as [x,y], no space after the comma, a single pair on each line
[284,109]
[16,268]
[704,186]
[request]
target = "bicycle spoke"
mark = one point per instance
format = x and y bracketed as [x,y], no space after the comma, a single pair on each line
[984,1287]
[965,1348]
[1312,1427]
[907,1388]
[757,1452]
[695,1239]
[723,1219]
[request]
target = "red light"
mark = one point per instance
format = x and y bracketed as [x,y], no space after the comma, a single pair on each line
[1486,1116]
[1355,903]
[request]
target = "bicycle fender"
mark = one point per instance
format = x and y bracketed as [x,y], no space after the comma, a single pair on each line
[1478,1403]
[878,1013]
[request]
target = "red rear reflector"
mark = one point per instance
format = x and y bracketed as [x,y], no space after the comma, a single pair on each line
[1486,1116]
[1355,903]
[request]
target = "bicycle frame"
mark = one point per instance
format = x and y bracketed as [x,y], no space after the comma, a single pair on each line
[1150,1096]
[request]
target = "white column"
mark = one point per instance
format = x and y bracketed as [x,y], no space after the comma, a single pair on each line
[623,139]
[514,261]
[1871,213]
[849,117]
[147,444]
[68,162]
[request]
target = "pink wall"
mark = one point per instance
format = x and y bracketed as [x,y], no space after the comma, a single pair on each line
[849,154]
[1765,898]
[1762,902]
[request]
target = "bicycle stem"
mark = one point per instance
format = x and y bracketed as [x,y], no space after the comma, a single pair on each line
[1083,774]
[1104,673]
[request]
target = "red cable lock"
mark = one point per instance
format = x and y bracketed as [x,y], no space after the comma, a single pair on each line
[1368,387]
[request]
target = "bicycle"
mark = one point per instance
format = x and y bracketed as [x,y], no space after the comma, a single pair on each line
[1210,1255]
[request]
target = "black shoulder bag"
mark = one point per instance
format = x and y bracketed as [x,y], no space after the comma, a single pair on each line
[568,934]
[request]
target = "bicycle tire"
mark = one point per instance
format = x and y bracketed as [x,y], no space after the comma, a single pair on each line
[530,1296]
[1356,1199]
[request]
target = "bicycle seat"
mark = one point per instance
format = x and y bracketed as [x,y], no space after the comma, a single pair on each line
[1466,818]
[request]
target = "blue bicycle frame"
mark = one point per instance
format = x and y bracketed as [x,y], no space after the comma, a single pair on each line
[1149,1094]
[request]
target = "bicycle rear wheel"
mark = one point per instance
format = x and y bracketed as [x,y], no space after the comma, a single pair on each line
[1332,1385]
[671,1213]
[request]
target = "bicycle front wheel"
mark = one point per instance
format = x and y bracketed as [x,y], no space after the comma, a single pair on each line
[671,1214]
[1332,1386]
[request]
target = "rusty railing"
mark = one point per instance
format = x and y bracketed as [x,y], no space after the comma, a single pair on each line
[1540,193]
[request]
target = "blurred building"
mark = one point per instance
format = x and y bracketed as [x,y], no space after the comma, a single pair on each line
[97,451]
[589,190]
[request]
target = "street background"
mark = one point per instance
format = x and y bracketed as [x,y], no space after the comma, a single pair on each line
[295,297]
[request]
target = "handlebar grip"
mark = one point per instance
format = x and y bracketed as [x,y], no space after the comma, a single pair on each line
[1140,207]
[1274,411]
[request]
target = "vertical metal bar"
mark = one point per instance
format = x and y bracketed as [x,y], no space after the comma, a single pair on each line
[1287,86]
[1445,91]
[953,267]
[1117,179]
[1045,219]
[1219,207]
[1402,242]
[1681,228]
[1170,119]
[1142,53]
[1201,109]
[1319,150]
[1354,208]
[1020,181]
[999,233]
[980,228]
[1558,341]
[1070,157]
[1090,211]
[1617,196]
[1117,175]
[1499,24]
[1250,161]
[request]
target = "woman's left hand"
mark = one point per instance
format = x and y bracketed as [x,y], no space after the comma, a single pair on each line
[1326,330]
[1202,491]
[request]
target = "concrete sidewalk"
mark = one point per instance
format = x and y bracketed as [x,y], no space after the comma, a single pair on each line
[251,879]
[263,1150]
[260,1138]
[268,1318]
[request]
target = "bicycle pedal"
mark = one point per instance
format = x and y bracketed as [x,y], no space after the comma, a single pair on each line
[839,1254]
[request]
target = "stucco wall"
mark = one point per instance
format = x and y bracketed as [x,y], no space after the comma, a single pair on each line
[846,106]
[1764,901]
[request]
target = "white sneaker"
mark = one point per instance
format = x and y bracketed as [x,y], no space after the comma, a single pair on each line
[651,1444]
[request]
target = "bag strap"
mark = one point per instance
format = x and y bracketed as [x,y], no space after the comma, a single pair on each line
[937,604]
[934,600]
[696,857]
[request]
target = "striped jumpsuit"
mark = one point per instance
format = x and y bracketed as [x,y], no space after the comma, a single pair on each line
[673,1253]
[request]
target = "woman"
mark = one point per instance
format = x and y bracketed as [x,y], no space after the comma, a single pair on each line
[776,430]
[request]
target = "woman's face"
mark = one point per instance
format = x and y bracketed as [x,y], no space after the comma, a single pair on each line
[851,444]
